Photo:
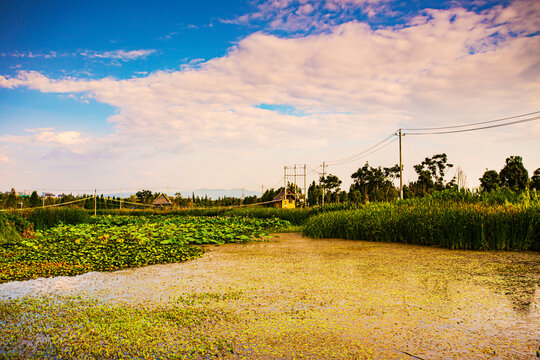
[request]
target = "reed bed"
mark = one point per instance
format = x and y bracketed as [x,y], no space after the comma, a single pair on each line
[447,224]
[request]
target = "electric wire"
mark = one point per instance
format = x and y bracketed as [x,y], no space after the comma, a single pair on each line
[360,154]
[474,129]
[367,154]
[472,124]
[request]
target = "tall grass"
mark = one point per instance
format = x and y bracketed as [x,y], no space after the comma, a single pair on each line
[43,219]
[147,212]
[8,230]
[447,224]
[294,216]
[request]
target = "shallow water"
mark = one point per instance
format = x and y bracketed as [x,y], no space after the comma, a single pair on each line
[343,299]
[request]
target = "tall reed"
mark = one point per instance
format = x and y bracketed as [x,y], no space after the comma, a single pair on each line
[447,224]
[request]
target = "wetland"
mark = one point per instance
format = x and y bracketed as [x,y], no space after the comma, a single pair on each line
[288,298]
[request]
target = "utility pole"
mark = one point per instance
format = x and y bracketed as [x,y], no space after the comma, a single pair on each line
[262,190]
[95,202]
[43,198]
[285,181]
[305,186]
[400,168]
[323,175]
[120,198]
[295,186]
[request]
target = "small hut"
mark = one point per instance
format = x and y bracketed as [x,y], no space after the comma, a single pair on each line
[285,202]
[162,202]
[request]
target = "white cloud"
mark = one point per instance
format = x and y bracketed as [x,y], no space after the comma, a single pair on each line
[447,66]
[304,16]
[122,55]
[47,137]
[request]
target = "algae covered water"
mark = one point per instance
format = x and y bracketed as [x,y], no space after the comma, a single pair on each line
[291,298]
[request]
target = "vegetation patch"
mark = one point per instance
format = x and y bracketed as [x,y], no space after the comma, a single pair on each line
[111,243]
[75,328]
[429,222]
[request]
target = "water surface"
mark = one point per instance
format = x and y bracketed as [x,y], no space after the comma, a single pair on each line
[299,297]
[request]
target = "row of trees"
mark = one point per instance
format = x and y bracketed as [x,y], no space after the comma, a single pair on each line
[513,176]
[13,200]
[369,184]
[378,183]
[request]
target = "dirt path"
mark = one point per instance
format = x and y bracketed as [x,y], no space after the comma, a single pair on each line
[303,298]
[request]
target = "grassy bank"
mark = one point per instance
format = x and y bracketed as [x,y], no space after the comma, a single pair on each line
[447,224]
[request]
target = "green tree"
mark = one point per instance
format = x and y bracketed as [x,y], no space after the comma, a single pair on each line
[490,180]
[535,180]
[431,172]
[144,196]
[314,193]
[330,183]
[11,200]
[375,184]
[35,201]
[514,175]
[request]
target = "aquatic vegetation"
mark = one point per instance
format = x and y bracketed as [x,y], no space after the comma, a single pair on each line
[448,224]
[293,298]
[118,242]
[75,328]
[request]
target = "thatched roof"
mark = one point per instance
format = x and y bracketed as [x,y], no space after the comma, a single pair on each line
[162,199]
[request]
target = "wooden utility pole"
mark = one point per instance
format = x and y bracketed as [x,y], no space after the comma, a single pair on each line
[295,186]
[305,186]
[43,198]
[323,175]
[400,168]
[120,198]
[262,190]
[95,202]
[285,182]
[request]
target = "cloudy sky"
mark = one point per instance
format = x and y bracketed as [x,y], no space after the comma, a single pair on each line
[223,94]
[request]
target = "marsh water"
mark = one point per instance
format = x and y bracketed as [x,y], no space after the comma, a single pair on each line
[306,298]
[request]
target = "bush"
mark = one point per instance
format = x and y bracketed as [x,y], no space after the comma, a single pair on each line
[8,232]
[294,216]
[43,219]
[215,211]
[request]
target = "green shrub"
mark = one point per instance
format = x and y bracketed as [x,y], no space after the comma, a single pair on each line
[43,219]
[294,216]
[148,212]
[8,232]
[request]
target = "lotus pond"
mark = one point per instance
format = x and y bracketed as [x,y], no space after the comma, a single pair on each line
[292,298]
[111,243]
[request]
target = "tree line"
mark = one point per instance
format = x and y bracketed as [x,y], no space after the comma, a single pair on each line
[370,184]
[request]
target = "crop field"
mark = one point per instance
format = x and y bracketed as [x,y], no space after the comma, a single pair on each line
[117,242]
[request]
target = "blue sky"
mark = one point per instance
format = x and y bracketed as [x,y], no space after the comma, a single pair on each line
[187,94]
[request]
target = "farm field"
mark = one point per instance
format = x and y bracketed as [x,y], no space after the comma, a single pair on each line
[290,298]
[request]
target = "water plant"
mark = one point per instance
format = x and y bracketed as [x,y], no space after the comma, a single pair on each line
[117,242]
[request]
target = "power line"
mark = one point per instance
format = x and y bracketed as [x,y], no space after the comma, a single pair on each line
[366,154]
[360,154]
[473,124]
[474,129]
